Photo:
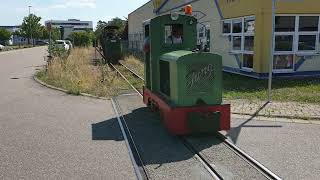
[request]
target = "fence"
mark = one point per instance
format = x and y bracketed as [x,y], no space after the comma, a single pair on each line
[135,42]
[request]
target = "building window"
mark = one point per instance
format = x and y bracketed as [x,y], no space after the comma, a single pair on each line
[283,43]
[249,43]
[237,26]
[249,25]
[308,23]
[226,29]
[294,35]
[283,62]
[307,42]
[308,33]
[285,24]
[242,32]
[247,61]
[236,43]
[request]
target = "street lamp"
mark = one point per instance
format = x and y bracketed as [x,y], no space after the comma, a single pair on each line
[30,29]
[271,51]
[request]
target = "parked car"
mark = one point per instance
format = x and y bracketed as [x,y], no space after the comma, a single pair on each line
[69,43]
[1,47]
[62,44]
[41,43]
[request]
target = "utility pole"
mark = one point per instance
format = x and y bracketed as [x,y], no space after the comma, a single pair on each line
[30,25]
[271,51]
[49,27]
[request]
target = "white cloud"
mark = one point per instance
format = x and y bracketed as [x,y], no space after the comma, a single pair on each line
[75,4]
[65,4]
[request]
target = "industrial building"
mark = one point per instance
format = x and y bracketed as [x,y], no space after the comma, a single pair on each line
[70,25]
[240,31]
[15,40]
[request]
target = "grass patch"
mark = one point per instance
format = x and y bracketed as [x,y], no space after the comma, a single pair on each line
[136,82]
[305,90]
[135,64]
[76,74]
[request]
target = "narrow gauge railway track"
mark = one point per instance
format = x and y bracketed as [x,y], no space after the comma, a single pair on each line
[209,166]
[131,71]
[134,154]
[121,74]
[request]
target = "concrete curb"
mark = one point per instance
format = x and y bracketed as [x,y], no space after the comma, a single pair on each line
[21,49]
[279,116]
[65,91]
[269,117]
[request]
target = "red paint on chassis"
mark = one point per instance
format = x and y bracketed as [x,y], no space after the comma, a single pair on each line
[175,118]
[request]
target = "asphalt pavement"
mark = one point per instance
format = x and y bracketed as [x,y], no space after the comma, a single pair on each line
[291,150]
[47,134]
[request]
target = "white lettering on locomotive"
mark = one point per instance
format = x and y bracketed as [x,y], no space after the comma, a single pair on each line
[200,75]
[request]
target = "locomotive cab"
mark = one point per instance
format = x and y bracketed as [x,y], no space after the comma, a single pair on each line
[165,34]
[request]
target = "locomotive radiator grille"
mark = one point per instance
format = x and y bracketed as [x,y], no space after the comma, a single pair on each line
[199,78]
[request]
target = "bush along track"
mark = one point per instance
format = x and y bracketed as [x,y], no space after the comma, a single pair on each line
[76,73]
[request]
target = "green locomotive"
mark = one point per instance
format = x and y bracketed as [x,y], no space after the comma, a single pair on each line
[111,44]
[182,82]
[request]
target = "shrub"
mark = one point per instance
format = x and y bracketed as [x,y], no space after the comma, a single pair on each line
[82,39]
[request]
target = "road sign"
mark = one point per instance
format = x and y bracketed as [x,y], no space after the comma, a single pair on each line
[49,26]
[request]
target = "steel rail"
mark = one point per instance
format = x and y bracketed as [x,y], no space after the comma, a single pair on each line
[254,163]
[201,159]
[141,172]
[132,72]
[118,71]
[134,154]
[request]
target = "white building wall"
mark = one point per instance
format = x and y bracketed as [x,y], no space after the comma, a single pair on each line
[208,16]
[75,23]
[203,11]
[136,18]
[71,26]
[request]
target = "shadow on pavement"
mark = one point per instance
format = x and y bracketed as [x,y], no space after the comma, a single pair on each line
[154,143]
[107,130]
[234,132]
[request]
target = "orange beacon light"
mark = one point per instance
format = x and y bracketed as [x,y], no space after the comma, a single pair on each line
[188,10]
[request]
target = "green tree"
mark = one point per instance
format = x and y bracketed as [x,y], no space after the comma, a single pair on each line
[118,22]
[31,27]
[55,33]
[122,24]
[100,27]
[82,38]
[44,33]
[5,35]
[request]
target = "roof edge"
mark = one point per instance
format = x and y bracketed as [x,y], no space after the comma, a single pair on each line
[139,7]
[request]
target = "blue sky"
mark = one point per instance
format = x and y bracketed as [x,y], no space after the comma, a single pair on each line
[13,11]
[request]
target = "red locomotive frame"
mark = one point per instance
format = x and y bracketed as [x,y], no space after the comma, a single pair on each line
[175,118]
